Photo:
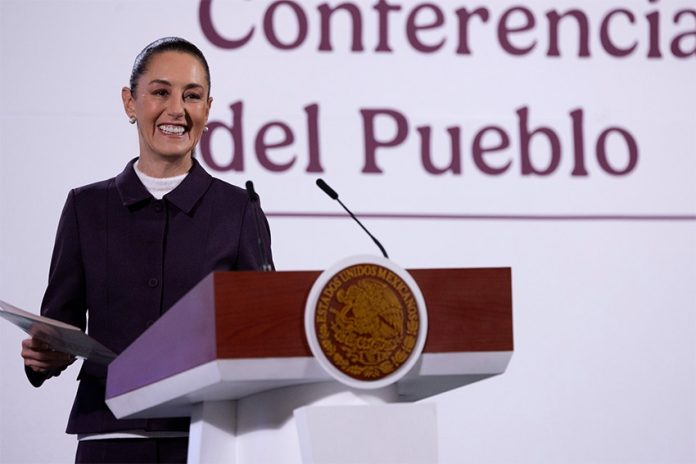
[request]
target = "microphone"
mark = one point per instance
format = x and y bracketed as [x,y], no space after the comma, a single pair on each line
[253,196]
[254,199]
[334,196]
[328,190]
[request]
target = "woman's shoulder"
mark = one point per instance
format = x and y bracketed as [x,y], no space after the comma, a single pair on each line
[227,195]
[213,185]
[226,188]
[94,189]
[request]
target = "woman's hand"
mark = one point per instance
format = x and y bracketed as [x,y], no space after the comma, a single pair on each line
[41,358]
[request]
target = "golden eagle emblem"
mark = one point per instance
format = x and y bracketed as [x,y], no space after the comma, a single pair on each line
[367,321]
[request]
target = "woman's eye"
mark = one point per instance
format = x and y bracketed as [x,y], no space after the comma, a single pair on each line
[160,92]
[192,96]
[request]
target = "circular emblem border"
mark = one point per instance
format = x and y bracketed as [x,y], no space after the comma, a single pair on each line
[310,331]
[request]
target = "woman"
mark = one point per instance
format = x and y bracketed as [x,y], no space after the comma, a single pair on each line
[129,247]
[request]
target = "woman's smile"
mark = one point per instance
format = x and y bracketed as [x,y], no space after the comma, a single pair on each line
[171,106]
[171,129]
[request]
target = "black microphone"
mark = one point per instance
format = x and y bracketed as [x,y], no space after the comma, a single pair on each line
[254,199]
[328,190]
[334,196]
[253,196]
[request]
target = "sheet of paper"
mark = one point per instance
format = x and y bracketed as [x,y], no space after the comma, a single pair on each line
[59,335]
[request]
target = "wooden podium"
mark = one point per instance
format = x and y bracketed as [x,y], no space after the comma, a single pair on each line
[232,354]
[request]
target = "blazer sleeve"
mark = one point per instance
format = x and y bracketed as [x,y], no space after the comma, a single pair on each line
[65,297]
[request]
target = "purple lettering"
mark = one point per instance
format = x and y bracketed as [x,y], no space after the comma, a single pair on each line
[326,12]
[583,31]
[602,151]
[269,25]
[455,164]
[578,143]
[505,30]
[463,16]
[371,141]
[312,112]
[236,162]
[383,9]
[654,28]
[206,20]
[525,142]
[677,50]
[605,39]
[412,27]
[478,150]
[262,146]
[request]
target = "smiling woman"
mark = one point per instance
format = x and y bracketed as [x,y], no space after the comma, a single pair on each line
[169,98]
[129,247]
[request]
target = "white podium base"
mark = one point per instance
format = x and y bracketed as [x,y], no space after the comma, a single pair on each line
[316,423]
[212,431]
[394,433]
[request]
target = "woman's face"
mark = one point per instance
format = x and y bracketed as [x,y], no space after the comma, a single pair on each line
[171,105]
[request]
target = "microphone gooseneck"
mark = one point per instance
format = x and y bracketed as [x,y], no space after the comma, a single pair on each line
[334,196]
[254,199]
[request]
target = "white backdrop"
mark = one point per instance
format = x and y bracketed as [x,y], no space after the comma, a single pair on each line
[603,264]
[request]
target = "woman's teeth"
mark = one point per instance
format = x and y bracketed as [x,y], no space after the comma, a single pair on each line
[171,130]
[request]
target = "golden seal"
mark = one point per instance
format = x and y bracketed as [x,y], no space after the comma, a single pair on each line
[367,321]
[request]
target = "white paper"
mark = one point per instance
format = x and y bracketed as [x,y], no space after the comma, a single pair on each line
[59,335]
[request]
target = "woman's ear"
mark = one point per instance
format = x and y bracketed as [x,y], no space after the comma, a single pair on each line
[207,110]
[128,102]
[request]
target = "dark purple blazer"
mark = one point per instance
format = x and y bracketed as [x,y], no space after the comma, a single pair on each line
[123,258]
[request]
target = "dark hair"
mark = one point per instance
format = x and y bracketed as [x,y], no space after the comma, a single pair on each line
[165,44]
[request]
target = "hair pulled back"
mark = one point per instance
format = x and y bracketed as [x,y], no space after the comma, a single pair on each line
[165,44]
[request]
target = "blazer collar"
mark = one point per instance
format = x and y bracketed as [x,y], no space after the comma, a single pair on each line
[184,196]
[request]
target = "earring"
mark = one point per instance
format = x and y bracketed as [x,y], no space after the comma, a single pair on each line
[205,128]
[132,120]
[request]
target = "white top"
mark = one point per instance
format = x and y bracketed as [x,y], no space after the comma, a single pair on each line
[158,186]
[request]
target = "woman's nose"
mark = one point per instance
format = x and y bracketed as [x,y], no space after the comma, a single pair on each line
[175,108]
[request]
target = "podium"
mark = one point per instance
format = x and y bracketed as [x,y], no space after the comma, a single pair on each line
[232,355]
